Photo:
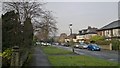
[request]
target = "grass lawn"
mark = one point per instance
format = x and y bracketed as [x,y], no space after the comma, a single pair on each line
[59,57]
[55,51]
[78,61]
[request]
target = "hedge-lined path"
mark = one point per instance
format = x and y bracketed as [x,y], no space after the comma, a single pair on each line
[39,58]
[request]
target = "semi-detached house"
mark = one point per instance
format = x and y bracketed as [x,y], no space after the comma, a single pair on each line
[111,31]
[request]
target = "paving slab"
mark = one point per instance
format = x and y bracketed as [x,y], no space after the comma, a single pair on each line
[39,58]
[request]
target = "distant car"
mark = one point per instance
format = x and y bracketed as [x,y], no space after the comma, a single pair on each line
[45,44]
[76,46]
[66,44]
[62,44]
[56,43]
[37,43]
[93,47]
[49,44]
[83,46]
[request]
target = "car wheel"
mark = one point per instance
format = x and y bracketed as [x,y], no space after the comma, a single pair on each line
[92,49]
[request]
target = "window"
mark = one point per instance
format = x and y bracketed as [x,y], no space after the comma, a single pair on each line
[116,32]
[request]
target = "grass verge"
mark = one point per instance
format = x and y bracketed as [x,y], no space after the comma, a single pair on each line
[49,50]
[59,57]
[78,61]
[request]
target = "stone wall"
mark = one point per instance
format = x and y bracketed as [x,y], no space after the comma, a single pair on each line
[106,47]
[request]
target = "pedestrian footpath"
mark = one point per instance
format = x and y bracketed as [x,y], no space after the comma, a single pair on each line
[39,59]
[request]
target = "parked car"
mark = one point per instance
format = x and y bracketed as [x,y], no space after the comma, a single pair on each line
[93,47]
[56,44]
[42,43]
[62,44]
[83,46]
[76,46]
[66,44]
[37,43]
[45,44]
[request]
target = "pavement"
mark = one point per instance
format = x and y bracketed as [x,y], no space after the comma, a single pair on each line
[39,59]
[103,54]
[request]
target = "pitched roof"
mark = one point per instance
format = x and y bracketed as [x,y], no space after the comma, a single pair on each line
[72,36]
[114,24]
[89,30]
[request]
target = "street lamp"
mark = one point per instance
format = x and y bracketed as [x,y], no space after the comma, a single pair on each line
[70,26]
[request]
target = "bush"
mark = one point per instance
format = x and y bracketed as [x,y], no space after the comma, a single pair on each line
[106,42]
[115,44]
[97,38]
[6,57]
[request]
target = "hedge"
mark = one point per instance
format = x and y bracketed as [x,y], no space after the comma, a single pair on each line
[115,44]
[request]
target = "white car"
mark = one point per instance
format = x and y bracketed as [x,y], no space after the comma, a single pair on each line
[43,43]
[37,43]
[48,43]
[76,46]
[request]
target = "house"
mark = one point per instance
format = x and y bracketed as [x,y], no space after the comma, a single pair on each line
[110,31]
[72,37]
[86,34]
[62,37]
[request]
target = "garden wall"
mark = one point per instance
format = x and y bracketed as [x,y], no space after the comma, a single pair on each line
[106,47]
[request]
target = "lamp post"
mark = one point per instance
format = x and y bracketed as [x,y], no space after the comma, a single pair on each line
[70,26]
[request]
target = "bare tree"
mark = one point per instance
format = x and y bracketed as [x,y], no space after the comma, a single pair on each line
[48,25]
[25,9]
[40,18]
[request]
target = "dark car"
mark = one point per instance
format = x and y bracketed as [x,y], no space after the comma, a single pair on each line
[66,44]
[93,47]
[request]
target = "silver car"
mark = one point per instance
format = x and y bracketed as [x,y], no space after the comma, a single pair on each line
[83,46]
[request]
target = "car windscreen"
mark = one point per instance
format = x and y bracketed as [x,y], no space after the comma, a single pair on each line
[95,46]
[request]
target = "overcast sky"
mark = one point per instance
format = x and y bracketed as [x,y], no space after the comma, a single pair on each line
[83,14]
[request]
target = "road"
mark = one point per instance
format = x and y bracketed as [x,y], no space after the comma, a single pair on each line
[103,54]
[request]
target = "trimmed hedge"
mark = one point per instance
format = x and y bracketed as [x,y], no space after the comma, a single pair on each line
[115,44]
[103,42]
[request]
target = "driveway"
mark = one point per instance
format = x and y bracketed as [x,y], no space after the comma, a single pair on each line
[103,54]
